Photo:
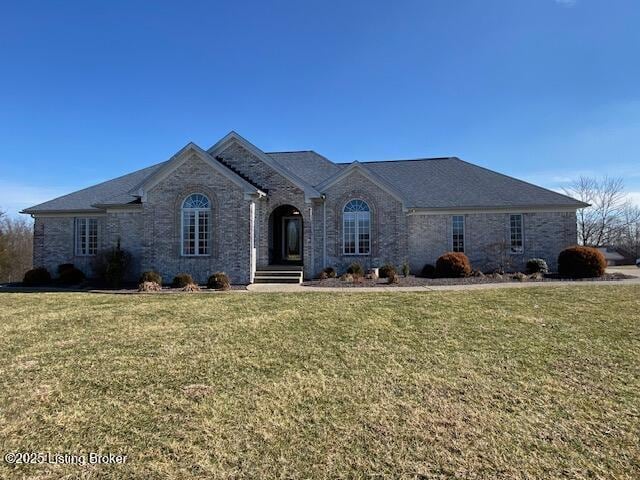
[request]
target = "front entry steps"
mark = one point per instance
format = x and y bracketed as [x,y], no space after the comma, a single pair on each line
[279,274]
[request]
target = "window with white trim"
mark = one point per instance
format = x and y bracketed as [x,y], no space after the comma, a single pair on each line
[457,231]
[86,236]
[196,225]
[356,228]
[517,233]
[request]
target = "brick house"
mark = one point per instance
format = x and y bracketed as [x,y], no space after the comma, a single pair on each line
[237,209]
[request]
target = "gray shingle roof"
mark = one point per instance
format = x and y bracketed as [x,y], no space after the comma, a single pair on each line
[111,192]
[454,183]
[425,183]
[308,165]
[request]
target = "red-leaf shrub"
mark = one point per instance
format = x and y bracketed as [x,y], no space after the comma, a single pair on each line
[453,265]
[581,262]
[37,276]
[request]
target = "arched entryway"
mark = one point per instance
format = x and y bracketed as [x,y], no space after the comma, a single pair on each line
[286,238]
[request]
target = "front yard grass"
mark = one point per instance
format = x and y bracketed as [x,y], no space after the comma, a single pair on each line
[527,383]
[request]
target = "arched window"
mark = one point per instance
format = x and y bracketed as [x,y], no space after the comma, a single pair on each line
[356,228]
[196,225]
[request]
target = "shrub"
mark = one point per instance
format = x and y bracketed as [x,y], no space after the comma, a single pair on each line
[323,275]
[406,270]
[71,276]
[535,265]
[149,287]
[521,277]
[112,265]
[386,270]
[453,265]
[428,271]
[219,281]
[65,266]
[37,276]
[392,277]
[355,269]
[181,280]
[151,276]
[581,262]
[347,277]
[330,272]
[191,287]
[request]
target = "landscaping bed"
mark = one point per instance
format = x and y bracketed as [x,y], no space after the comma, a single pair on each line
[414,281]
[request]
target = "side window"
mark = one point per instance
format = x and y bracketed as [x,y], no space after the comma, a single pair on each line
[517,233]
[457,229]
[86,236]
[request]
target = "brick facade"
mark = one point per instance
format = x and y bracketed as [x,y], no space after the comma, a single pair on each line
[240,223]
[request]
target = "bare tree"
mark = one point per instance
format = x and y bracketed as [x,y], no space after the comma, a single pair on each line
[602,223]
[16,247]
[629,236]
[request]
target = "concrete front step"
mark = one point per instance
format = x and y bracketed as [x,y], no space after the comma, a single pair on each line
[265,279]
[278,273]
[285,275]
[291,274]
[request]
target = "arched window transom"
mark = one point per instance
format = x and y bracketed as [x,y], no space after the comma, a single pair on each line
[356,228]
[196,225]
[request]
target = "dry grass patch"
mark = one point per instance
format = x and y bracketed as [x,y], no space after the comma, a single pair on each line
[533,383]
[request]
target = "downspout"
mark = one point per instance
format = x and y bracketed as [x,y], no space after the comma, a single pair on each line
[313,241]
[324,231]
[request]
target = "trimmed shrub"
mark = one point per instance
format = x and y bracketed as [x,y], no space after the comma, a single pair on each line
[191,287]
[521,277]
[181,280]
[406,270]
[453,265]
[71,276]
[535,265]
[65,266]
[151,276]
[149,287]
[219,281]
[581,262]
[386,270]
[355,269]
[392,277]
[428,271]
[330,272]
[37,276]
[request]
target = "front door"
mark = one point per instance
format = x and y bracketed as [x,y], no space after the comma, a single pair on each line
[291,239]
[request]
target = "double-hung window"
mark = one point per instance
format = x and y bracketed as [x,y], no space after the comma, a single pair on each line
[457,230]
[516,233]
[196,225]
[356,228]
[86,236]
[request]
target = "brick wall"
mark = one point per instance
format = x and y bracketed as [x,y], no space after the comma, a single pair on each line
[230,225]
[487,238]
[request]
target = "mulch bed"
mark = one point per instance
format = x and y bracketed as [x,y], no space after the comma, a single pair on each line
[17,287]
[413,281]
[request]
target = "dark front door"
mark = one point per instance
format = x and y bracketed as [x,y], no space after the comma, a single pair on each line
[291,239]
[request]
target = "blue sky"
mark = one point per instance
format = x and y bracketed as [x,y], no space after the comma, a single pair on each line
[545,90]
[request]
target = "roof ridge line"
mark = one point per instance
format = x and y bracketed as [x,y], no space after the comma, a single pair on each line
[401,160]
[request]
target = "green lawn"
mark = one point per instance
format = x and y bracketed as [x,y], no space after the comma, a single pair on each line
[526,383]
